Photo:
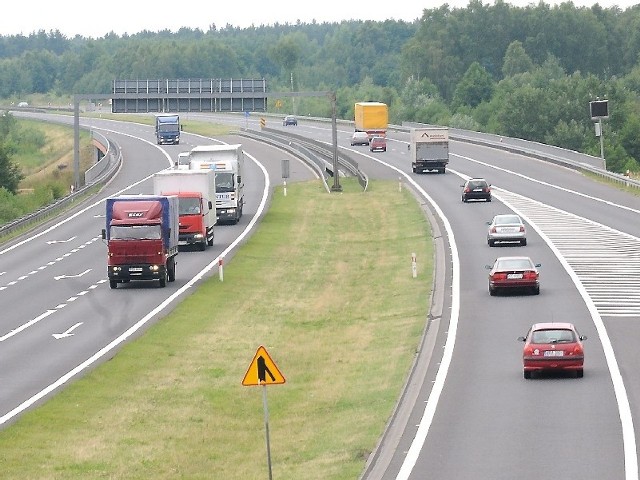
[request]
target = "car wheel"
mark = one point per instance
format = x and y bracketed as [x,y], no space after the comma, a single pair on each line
[526,374]
[113,284]
[536,290]
[493,291]
[491,243]
[579,373]
[523,242]
[489,199]
[464,200]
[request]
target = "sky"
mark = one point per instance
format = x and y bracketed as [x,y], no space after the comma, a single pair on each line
[96,19]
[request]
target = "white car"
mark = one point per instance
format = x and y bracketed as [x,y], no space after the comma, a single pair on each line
[508,228]
[360,138]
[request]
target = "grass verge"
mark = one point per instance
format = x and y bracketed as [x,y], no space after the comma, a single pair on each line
[325,285]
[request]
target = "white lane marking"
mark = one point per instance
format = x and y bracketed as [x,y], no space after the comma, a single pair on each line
[67,333]
[50,242]
[60,277]
[26,325]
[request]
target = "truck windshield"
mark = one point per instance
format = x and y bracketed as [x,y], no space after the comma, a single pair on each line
[168,127]
[189,206]
[135,232]
[224,181]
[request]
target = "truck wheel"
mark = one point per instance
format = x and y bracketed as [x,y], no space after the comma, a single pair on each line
[171,269]
[113,284]
[210,242]
[202,246]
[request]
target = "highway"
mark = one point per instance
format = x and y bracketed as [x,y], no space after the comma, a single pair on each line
[73,322]
[467,412]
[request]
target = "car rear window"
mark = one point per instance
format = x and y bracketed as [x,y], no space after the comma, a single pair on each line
[553,336]
[514,264]
[477,184]
[507,220]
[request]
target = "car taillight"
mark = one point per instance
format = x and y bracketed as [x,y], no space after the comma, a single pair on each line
[521,228]
[493,230]
[528,351]
[577,350]
[499,276]
[467,190]
[530,275]
[488,189]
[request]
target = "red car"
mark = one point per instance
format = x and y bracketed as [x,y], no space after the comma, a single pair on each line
[378,144]
[510,273]
[553,347]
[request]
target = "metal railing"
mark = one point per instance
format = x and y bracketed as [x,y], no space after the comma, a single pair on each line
[110,163]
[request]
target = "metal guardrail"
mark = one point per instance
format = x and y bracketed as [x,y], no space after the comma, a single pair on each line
[310,151]
[549,153]
[112,160]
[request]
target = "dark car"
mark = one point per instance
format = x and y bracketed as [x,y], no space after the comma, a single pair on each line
[378,144]
[511,273]
[476,189]
[553,346]
[290,120]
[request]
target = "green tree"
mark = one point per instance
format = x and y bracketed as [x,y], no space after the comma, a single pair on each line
[475,87]
[516,60]
[10,174]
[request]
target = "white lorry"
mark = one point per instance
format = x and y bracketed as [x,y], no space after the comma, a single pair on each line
[429,149]
[228,163]
[196,192]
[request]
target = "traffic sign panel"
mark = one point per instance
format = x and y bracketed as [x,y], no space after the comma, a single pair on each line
[262,370]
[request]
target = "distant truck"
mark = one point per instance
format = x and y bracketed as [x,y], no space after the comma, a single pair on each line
[371,117]
[228,163]
[168,129]
[429,149]
[142,238]
[196,192]
[183,161]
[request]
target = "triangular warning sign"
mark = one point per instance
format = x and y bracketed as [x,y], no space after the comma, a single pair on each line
[262,370]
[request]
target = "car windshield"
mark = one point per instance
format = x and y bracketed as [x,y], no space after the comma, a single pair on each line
[514,264]
[224,182]
[135,232]
[553,336]
[189,206]
[507,220]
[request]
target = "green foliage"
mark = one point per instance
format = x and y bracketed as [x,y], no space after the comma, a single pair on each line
[475,87]
[528,72]
[10,175]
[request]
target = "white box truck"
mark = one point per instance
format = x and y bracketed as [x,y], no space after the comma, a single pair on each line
[196,192]
[429,149]
[228,163]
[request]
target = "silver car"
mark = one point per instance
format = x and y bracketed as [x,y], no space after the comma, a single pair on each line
[506,228]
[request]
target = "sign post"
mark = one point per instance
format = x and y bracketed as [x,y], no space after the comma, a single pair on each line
[263,371]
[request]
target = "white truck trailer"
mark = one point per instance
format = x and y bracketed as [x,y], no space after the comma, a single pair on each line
[429,149]
[196,192]
[228,163]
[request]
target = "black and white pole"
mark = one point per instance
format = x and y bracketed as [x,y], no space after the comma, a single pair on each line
[221,269]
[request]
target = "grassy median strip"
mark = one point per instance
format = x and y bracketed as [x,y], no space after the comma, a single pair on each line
[326,286]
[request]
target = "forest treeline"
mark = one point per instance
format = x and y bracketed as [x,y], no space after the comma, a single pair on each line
[526,72]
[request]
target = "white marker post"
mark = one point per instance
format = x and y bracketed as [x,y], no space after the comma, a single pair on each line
[414,265]
[220,269]
[399,184]
[285,188]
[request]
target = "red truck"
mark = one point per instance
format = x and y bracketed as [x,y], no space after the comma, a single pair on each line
[196,192]
[142,238]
